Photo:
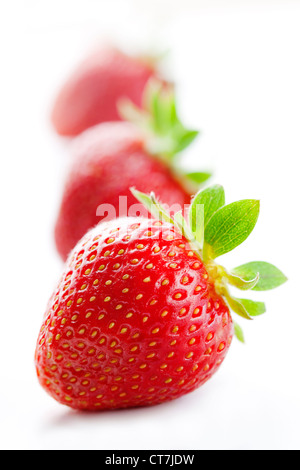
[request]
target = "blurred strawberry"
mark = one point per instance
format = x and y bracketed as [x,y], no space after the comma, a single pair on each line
[111,157]
[91,94]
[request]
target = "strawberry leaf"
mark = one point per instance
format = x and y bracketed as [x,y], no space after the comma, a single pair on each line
[253,307]
[213,198]
[165,135]
[196,219]
[197,177]
[162,112]
[269,276]
[239,332]
[182,226]
[242,283]
[230,226]
[237,306]
[153,206]
[184,139]
[245,308]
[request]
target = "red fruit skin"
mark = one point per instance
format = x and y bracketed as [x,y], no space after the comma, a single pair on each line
[134,320]
[91,94]
[109,159]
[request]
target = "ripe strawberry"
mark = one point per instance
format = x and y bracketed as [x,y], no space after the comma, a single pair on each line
[91,94]
[112,157]
[141,313]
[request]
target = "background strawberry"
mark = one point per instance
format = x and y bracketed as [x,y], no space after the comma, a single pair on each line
[141,313]
[112,157]
[91,94]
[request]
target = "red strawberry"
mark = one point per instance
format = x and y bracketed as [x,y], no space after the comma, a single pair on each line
[91,94]
[112,157]
[141,313]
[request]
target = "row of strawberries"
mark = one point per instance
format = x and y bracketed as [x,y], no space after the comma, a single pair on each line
[141,313]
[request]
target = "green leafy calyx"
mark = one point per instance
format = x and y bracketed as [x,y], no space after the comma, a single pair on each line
[214,229]
[164,134]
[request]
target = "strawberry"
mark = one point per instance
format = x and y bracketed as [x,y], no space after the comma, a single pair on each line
[141,314]
[112,157]
[91,94]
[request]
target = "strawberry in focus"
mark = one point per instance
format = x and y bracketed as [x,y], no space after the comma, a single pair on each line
[141,314]
[135,320]
[91,94]
[110,158]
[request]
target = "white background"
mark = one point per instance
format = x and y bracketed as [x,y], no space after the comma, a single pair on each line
[236,64]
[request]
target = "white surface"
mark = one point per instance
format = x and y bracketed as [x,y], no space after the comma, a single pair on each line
[238,73]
